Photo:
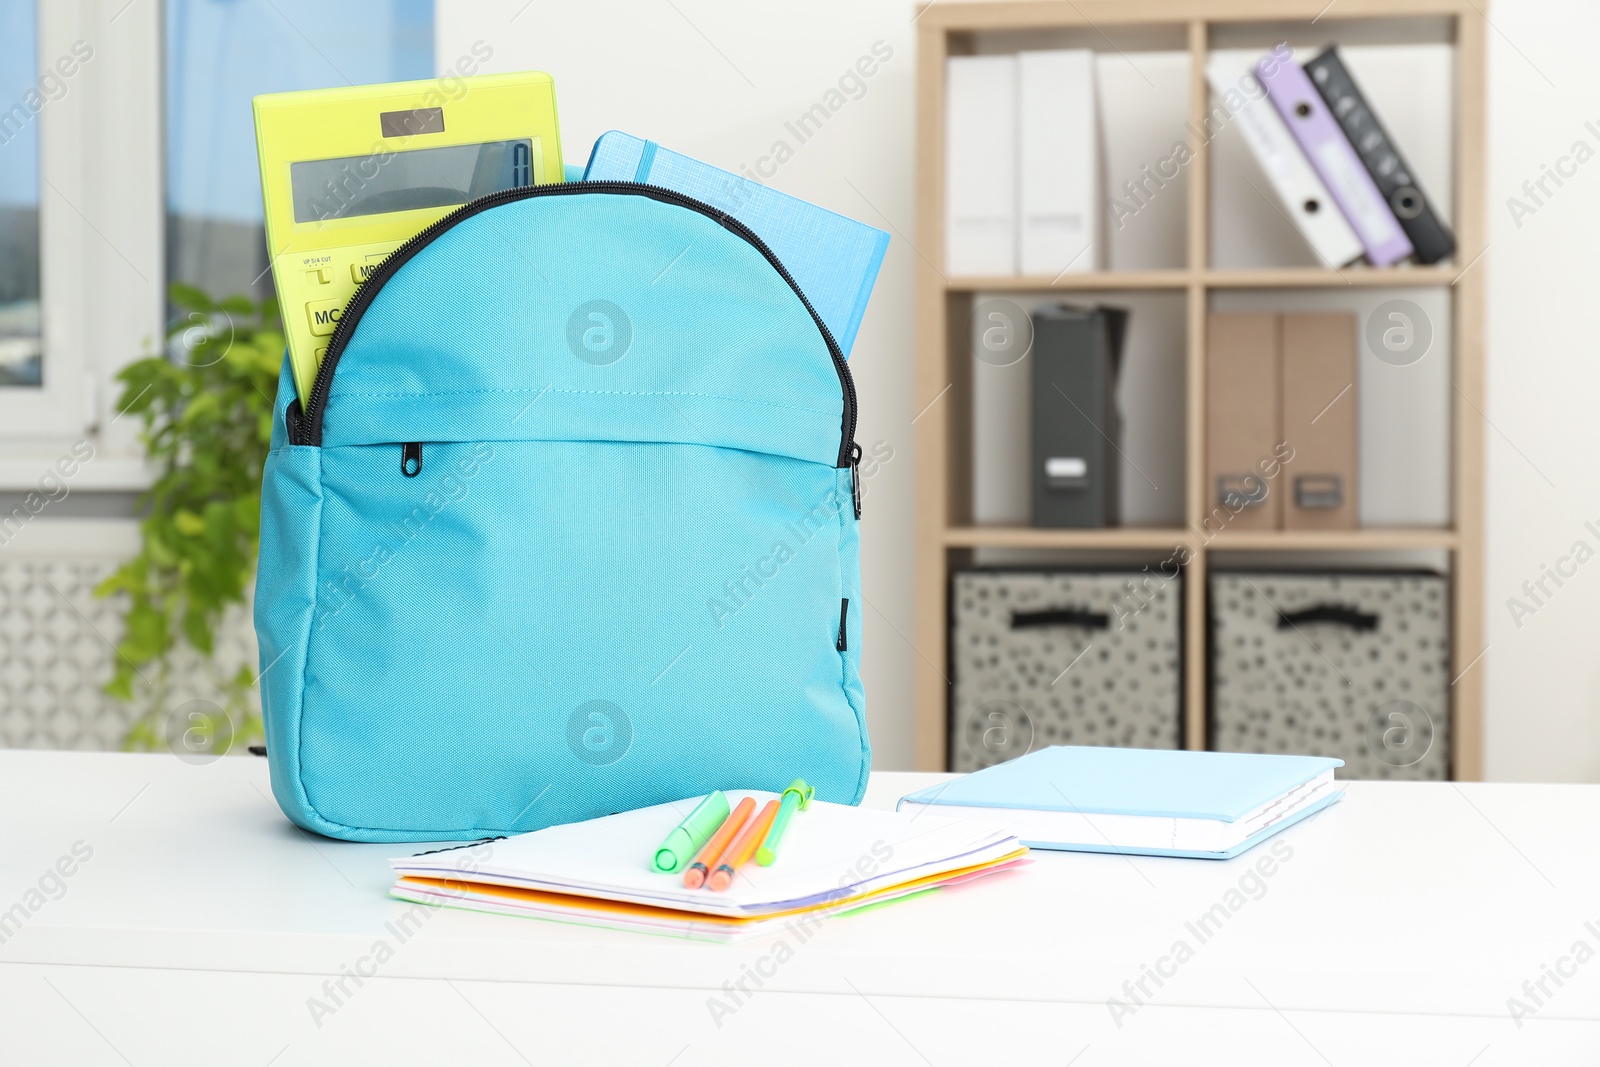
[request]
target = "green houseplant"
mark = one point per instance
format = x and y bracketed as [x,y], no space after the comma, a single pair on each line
[205,403]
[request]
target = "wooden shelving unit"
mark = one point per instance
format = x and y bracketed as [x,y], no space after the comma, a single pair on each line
[946,536]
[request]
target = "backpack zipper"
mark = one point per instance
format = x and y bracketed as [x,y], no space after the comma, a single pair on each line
[305,424]
[411,459]
[855,478]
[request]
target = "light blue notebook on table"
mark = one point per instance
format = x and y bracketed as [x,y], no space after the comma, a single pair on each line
[833,259]
[1151,802]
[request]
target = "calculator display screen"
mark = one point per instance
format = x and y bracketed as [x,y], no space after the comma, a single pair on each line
[382,181]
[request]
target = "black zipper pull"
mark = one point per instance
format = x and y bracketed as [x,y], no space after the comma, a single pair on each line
[842,644]
[855,477]
[411,459]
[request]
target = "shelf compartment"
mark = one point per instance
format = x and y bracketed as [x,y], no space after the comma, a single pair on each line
[1113,537]
[1130,537]
[1362,277]
[1370,539]
[1098,280]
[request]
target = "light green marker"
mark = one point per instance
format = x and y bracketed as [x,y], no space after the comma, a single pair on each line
[687,837]
[798,795]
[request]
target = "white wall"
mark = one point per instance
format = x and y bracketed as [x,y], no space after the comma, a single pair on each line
[1544,393]
[719,78]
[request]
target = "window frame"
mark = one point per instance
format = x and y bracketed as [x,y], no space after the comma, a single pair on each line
[101,244]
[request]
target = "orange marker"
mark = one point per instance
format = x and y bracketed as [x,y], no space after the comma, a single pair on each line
[711,852]
[742,849]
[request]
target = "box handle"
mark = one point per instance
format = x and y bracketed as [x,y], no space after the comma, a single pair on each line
[1339,614]
[1066,472]
[1240,491]
[1034,620]
[1318,491]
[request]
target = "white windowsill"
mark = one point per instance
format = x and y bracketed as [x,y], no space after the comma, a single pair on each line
[22,468]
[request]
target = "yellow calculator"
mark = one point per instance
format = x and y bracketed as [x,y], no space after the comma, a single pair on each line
[348,175]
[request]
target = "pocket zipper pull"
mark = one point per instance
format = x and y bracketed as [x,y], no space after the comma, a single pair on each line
[855,477]
[411,459]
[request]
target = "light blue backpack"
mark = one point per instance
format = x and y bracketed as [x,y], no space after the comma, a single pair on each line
[568,526]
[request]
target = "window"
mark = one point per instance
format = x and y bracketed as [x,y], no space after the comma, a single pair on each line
[220,53]
[79,258]
[127,160]
[20,348]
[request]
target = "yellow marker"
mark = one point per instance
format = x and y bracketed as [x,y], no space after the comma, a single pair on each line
[348,175]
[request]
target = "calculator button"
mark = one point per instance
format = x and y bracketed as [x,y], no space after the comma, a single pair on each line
[359,272]
[324,316]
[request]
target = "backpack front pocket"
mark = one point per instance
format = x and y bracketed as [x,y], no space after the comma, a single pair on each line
[480,663]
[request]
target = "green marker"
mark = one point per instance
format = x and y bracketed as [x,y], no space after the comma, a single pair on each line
[685,840]
[798,795]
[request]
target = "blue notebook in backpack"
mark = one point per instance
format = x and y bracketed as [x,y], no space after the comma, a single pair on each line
[566,527]
[833,258]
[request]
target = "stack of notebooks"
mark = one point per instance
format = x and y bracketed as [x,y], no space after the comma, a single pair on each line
[1141,801]
[835,859]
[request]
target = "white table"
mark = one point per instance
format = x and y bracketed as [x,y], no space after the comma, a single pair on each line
[204,929]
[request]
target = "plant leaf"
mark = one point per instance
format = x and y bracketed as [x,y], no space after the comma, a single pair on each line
[205,421]
[187,296]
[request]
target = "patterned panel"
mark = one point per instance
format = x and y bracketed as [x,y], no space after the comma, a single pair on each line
[56,652]
[1372,689]
[1065,680]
